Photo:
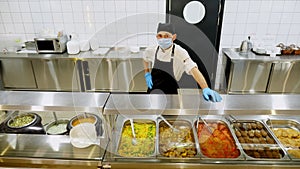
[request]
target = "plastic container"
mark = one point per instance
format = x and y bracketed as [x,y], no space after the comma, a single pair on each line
[73,46]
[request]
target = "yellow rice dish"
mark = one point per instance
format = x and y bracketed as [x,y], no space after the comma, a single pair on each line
[145,136]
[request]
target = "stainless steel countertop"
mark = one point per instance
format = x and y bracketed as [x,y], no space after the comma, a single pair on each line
[52,101]
[112,54]
[235,55]
[264,104]
[48,146]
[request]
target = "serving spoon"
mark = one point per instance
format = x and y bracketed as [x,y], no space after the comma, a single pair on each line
[55,118]
[133,141]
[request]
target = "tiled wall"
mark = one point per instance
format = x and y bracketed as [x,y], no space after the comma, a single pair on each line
[27,18]
[278,19]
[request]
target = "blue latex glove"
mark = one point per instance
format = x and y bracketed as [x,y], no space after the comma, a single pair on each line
[212,95]
[148,78]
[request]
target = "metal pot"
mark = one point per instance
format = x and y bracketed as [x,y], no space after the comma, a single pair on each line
[32,124]
[87,118]
[21,121]
[58,124]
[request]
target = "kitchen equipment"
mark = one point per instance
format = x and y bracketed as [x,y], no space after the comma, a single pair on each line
[86,118]
[257,142]
[246,46]
[226,145]
[51,44]
[83,135]
[180,144]
[73,46]
[24,123]
[287,132]
[30,45]
[133,141]
[145,133]
[166,121]
[57,127]
[206,125]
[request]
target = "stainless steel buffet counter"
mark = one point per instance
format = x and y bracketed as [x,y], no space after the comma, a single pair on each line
[118,70]
[251,73]
[148,109]
[55,151]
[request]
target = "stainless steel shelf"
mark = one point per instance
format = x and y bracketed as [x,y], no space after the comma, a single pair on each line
[52,101]
[192,104]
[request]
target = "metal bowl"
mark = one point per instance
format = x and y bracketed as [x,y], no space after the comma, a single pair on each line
[86,118]
[57,123]
[21,120]
[33,126]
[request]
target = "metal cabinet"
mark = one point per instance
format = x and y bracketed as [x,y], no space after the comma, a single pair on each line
[102,74]
[17,74]
[285,78]
[116,75]
[252,73]
[118,71]
[56,74]
[131,75]
[249,76]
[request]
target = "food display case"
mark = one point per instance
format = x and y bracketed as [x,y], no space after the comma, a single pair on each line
[36,129]
[238,132]
[151,131]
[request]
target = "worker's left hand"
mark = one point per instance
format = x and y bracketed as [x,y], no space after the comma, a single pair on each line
[212,95]
[148,78]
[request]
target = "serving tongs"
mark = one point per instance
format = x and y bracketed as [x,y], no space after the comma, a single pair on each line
[271,124]
[233,121]
[206,125]
[171,126]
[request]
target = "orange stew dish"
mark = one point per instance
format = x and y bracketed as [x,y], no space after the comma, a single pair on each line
[217,142]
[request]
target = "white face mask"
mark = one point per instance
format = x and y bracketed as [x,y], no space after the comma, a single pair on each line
[165,43]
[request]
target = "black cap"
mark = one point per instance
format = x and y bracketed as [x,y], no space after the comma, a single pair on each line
[168,27]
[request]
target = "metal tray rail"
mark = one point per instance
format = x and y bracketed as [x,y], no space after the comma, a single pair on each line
[219,119]
[277,145]
[287,124]
[187,121]
[118,136]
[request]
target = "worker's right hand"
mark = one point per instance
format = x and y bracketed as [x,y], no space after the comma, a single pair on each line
[148,78]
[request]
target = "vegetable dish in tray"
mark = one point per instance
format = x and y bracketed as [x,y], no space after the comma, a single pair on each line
[145,136]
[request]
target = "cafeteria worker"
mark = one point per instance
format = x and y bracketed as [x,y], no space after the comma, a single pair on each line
[164,65]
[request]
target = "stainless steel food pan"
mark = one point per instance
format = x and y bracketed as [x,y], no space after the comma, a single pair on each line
[141,146]
[262,149]
[275,124]
[177,147]
[218,120]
